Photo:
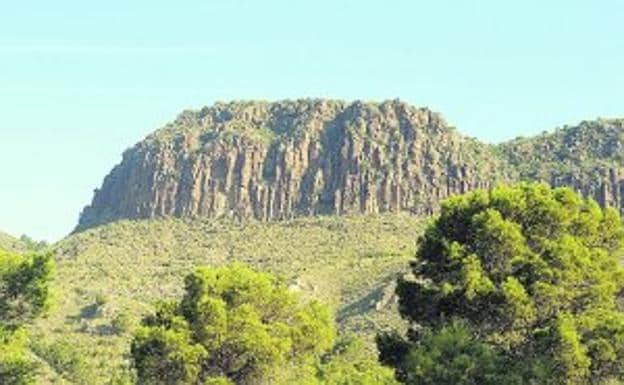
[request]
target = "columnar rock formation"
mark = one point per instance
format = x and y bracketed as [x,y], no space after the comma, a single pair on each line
[274,161]
[278,160]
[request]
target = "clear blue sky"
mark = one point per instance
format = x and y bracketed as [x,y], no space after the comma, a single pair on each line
[80,81]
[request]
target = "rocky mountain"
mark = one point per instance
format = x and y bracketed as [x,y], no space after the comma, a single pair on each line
[294,158]
[274,161]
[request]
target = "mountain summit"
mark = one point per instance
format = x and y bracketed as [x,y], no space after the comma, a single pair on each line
[272,161]
[293,158]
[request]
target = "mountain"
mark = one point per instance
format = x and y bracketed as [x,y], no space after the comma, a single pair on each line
[588,157]
[274,161]
[294,158]
[319,192]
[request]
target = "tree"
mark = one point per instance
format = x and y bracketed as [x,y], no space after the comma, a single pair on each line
[532,272]
[24,294]
[236,326]
[349,363]
[33,245]
[449,355]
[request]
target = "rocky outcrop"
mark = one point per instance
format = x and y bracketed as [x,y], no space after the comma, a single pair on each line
[279,160]
[273,161]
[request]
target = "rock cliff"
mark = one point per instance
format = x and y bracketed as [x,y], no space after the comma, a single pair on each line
[279,160]
[272,161]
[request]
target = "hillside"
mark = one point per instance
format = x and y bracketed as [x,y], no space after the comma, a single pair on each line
[10,243]
[294,158]
[118,270]
[588,157]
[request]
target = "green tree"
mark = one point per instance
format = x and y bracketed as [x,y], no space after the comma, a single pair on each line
[349,363]
[33,245]
[449,355]
[24,294]
[238,326]
[533,272]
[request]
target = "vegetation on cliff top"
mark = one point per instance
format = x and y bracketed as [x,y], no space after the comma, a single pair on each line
[279,160]
[579,149]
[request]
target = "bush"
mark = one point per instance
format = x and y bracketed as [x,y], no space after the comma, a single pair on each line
[16,365]
[122,323]
[100,299]
[66,360]
[24,295]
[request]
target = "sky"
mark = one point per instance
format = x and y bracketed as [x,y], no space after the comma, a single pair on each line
[81,81]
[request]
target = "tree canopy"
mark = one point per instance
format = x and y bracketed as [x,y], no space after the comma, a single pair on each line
[532,272]
[24,294]
[238,326]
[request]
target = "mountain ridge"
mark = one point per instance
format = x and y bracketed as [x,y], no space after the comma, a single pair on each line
[280,160]
[588,157]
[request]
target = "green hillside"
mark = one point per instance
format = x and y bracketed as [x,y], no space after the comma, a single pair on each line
[9,242]
[107,277]
[579,150]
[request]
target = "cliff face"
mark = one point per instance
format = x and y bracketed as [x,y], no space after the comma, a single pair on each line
[274,161]
[279,160]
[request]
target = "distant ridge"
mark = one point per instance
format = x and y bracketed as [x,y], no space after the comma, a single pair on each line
[588,157]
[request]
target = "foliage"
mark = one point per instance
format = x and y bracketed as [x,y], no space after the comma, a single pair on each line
[532,271]
[124,376]
[66,359]
[123,323]
[238,326]
[349,364]
[23,295]
[33,245]
[573,150]
[22,244]
[348,263]
[449,355]
[24,290]
[16,366]
[586,157]
[10,243]
[231,323]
